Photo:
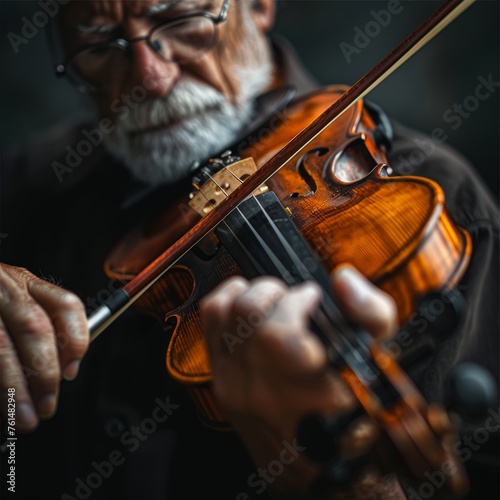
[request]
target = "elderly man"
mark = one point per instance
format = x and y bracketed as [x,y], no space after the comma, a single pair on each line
[175,82]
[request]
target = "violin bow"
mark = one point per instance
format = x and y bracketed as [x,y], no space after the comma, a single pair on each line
[123,298]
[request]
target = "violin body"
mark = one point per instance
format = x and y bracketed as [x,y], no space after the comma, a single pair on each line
[338,193]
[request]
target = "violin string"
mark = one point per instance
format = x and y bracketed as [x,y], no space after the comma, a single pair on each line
[331,326]
[334,325]
[365,373]
[333,329]
[259,268]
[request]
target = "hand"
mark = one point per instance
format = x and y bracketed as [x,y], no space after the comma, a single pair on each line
[269,371]
[43,336]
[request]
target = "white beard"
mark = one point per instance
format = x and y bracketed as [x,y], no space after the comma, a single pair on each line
[199,123]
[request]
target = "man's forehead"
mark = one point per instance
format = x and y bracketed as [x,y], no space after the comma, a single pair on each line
[156,6]
[120,8]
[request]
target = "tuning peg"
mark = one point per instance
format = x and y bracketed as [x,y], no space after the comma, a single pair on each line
[472,390]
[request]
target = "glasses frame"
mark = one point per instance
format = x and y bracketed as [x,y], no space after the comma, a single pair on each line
[61,68]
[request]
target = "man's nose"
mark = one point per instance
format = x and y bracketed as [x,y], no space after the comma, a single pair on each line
[149,71]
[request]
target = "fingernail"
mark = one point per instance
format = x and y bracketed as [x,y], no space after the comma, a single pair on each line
[310,289]
[46,405]
[26,415]
[359,288]
[71,370]
[345,271]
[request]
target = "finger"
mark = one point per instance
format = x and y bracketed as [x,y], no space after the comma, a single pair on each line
[13,377]
[258,301]
[294,358]
[69,320]
[237,308]
[33,337]
[364,303]
[289,341]
[215,312]
[249,311]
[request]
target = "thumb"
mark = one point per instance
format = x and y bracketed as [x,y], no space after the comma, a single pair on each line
[363,303]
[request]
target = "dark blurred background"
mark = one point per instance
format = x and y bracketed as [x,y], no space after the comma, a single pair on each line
[443,74]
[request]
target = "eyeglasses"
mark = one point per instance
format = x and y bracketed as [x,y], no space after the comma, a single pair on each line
[98,66]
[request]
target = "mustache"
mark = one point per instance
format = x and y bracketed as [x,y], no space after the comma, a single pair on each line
[186,100]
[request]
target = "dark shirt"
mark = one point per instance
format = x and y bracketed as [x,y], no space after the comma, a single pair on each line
[106,440]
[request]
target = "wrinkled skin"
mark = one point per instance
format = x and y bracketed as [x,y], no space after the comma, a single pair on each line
[278,375]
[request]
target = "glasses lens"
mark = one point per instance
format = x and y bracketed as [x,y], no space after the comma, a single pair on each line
[99,66]
[102,66]
[185,40]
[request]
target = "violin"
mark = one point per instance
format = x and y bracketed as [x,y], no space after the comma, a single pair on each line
[312,192]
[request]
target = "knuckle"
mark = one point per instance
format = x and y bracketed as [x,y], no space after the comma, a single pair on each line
[391,310]
[19,274]
[44,358]
[385,320]
[22,271]
[81,342]
[250,311]
[5,340]
[74,345]
[35,322]
[261,299]
[271,282]
[13,283]
[12,377]
[50,376]
[12,373]
[218,300]
[70,302]
[242,306]
[270,290]
[45,367]
[7,268]
[210,306]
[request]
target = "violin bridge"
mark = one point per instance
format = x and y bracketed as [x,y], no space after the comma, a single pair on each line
[221,184]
